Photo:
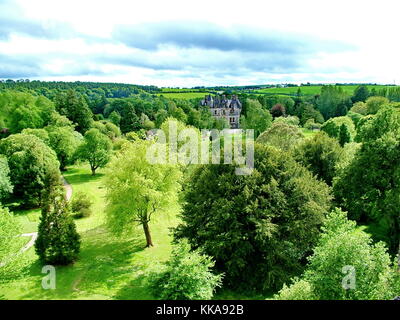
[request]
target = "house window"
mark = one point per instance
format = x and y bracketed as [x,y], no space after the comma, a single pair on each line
[232,120]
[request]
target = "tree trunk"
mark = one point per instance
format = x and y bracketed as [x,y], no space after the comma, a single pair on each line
[93,171]
[149,242]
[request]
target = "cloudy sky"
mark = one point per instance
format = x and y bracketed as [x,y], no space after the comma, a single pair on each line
[209,42]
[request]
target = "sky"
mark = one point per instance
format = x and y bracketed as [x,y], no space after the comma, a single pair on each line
[189,43]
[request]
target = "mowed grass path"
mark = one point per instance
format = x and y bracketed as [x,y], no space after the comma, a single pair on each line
[109,267]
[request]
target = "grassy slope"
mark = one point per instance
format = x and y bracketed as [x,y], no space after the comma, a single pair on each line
[310,90]
[184,95]
[108,268]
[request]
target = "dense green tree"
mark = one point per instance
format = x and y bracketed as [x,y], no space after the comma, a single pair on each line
[160,116]
[73,105]
[129,119]
[333,102]
[344,135]
[345,265]
[64,141]
[320,155]
[21,110]
[58,241]
[359,107]
[138,189]
[115,118]
[290,120]
[373,104]
[361,93]
[369,186]
[332,127]
[281,135]
[42,134]
[5,184]
[258,227]
[186,276]
[256,118]
[95,149]
[9,230]
[31,161]
[306,112]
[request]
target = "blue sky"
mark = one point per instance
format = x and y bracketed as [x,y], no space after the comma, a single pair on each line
[191,43]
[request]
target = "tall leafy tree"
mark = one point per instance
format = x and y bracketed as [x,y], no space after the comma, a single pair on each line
[31,162]
[333,102]
[260,227]
[344,135]
[64,141]
[95,149]
[137,189]
[256,118]
[281,135]
[361,93]
[73,105]
[374,104]
[320,154]
[332,127]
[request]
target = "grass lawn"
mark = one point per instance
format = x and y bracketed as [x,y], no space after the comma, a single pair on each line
[308,133]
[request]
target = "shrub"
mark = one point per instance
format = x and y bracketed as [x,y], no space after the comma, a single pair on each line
[186,276]
[80,205]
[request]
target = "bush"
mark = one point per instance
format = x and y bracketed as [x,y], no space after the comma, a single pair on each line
[80,205]
[186,276]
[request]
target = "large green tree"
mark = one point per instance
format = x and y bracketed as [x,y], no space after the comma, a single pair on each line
[333,102]
[95,149]
[138,189]
[361,93]
[64,141]
[31,162]
[73,105]
[319,154]
[281,135]
[256,118]
[258,227]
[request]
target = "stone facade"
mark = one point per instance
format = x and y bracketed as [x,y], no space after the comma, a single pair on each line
[221,107]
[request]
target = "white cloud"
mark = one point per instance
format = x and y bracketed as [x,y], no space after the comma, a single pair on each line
[87,44]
